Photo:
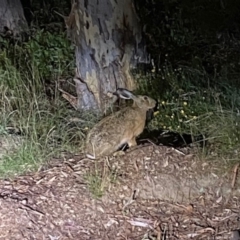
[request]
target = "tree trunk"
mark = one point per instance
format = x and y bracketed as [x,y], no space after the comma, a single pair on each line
[109,44]
[12,20]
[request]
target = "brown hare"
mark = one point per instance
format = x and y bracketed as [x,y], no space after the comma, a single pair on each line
[119,128]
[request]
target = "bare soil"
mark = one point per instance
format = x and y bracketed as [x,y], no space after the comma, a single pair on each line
[151,192]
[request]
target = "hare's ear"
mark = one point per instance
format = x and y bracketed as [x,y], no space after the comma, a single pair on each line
[124,93]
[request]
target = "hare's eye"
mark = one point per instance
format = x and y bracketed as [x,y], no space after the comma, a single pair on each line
[145,97]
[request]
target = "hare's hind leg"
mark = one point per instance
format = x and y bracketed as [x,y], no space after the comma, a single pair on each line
[90,151]
[132,142]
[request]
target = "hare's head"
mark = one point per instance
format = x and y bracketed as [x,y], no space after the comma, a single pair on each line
[141,101]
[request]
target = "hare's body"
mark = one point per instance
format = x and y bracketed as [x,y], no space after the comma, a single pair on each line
[119,128]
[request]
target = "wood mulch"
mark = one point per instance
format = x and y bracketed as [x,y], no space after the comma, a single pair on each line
[152,192]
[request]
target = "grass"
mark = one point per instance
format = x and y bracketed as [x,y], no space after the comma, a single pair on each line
[42,122]
[95,184]
[28,157]
[100,179]
[44,129]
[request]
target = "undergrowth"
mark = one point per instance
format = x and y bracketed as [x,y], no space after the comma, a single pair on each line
[42,121]
[196,73]
[188,103]
[195,81]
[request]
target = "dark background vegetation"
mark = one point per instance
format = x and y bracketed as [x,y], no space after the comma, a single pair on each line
[200,34]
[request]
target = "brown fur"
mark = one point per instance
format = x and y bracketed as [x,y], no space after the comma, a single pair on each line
[118,128]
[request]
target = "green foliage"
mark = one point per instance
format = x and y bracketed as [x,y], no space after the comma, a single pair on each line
[26,158]
[26,70]
[51,55]
[45,55]
[187,106]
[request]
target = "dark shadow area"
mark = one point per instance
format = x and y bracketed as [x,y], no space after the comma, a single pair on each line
[173,139]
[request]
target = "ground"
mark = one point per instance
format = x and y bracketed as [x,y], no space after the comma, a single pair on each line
[151,192]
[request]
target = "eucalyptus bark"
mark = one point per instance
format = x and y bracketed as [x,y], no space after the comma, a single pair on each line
[12,19]
[109,43]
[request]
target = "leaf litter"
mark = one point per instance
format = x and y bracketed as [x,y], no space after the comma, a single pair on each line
[150,193]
